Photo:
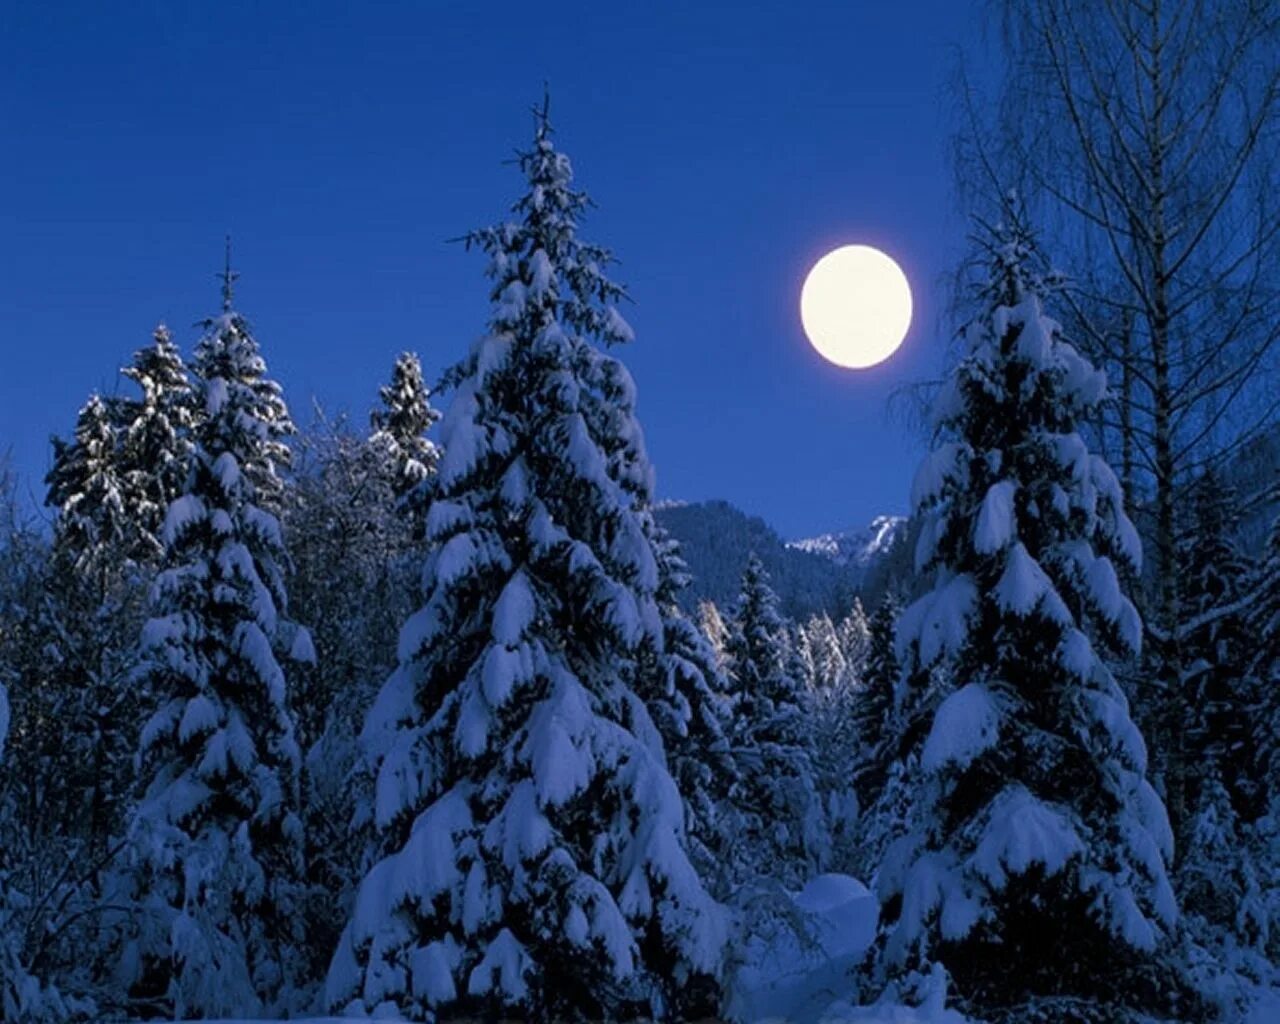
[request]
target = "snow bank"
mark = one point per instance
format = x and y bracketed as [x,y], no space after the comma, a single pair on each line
[1266,1008]
[794,970]
[840,1013]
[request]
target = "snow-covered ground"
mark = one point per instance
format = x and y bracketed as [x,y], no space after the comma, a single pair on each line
[800,965]
[798,971]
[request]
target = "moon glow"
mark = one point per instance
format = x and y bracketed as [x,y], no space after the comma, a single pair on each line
[856,306]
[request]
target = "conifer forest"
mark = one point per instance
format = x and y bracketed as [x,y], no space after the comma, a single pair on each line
[442,709]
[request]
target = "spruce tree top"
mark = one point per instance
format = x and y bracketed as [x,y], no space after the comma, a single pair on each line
[155,437]
[158,369]
[756,646]
[400,426]
[86,489]
[243,409]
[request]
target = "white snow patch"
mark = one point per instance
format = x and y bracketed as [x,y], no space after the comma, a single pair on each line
[1023,584]
[939,466]
[182,512]
[966,724]
[791,970]
[514,610]
[995,519]
[939,621]
[1022,831]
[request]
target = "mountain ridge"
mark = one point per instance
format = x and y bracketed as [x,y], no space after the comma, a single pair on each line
[810,575]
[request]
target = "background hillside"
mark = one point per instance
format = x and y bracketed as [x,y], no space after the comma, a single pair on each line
[821,574]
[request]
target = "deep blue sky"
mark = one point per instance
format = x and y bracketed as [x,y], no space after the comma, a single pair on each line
[727,146]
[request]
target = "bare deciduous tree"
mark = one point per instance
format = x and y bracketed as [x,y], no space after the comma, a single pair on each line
[1145,134]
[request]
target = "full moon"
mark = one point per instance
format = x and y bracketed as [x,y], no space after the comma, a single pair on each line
[856,306]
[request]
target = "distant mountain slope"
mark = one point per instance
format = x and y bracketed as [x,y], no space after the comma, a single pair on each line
[811,576]
[716,539]
[857,548]
[824,573]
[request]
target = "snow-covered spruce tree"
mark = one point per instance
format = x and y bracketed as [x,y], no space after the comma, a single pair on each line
[873,704]
[104,486]
[538,863]
[1035,861]
[712,625]
[854,634]
[22,997]
[92,531]
[34,849]
[687,698]
[1264,627]
[91,616]
[1220,873]
[154,436]
[400,427]
[1220,693]
[215,839]
[787,835]
[822,655]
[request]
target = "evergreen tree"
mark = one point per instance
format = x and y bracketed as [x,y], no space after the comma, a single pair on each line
[1218,873]
[712,625]
[873,735]
[823,655]
[854,634]
[85,487]
[756,649]
[690,707]
[401,425]
[536,861]
[1034,863]
[787,831]
[154,434]
[89,620]
[25,741]
[216,839]
[1264,628]
[1216,647]
[106,485]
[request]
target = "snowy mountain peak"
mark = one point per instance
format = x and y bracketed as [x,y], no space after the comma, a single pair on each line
[857,548]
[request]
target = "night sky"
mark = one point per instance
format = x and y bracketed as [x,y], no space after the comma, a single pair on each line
[727,147]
